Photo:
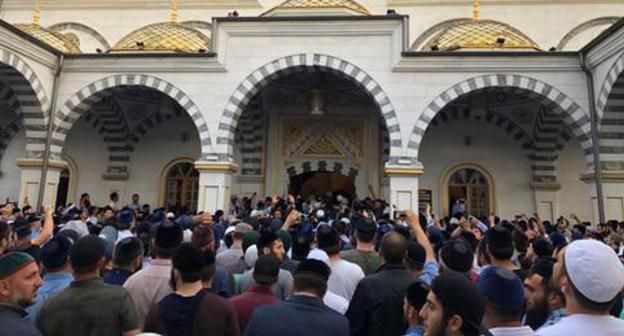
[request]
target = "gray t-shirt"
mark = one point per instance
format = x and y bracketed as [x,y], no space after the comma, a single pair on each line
[369,261]
[282,289]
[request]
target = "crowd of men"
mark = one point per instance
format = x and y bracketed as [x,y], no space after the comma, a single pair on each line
[289,266]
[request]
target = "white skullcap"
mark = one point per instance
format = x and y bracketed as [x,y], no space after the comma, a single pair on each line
[594,269]
[320,213]
[319,255]
[229,230]
[251,255]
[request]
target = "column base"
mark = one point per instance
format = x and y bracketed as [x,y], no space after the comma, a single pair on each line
[546,196]
[215,184]
[403,186]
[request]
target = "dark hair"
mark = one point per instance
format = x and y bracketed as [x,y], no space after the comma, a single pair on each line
[210,264]
[470,238]
[521,241]
[365,237]
[114,195]
[308,282]
[300,248]
[393,247]
[466,328]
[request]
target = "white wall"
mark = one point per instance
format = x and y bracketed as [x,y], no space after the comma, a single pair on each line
[443,146]
[11,173]
[574,194]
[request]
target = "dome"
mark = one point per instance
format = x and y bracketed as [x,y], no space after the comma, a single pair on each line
[55,40]
[323,7]
[167,36]
[480,34]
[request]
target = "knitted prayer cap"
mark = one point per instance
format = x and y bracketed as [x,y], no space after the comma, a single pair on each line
[13,262]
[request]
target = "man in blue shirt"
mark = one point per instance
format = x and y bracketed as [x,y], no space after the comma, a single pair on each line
[55,259]
[128,258]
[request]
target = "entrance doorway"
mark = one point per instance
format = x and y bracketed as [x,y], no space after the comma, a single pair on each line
[469,190]
[319,183]
[182,187]
[62,192]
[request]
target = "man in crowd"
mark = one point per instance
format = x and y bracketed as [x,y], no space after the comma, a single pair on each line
[504,302]
[19,281]
[344,275]
[415,299]
[500,249]
[377,305]
[420,259]
[192,310]
[55,259]
[545,303]
[454,307]
[232,258]
[270,244]
[127,259]
[204,238]
[266,271]
[457,257]
[151,284]
[590,275]
[304,314]
[364,254]
[89,306]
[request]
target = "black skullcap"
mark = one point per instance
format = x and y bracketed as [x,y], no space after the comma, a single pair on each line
[416,254]
[417,294]
[189,259]
[55,253]
[327,237]
[127,249]
[266,269]
[499,237]
[543,267]
[266,238]
[168,235]
[86,253]
[542,247]
[457,256]
[313,267]
[460,296]
[21,228]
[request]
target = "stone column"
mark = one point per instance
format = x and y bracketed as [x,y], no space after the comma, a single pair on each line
[546,195]
[215,185]
[403,180]
[31,177]
[613,194]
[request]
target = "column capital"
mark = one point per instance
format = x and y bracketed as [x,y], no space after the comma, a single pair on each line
[608,176]
[219,166]
[38,163]
[394,169]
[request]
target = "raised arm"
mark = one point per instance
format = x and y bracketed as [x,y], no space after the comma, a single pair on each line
[421,236]
[47,229]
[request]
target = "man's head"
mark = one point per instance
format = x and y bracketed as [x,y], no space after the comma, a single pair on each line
[270,244]
[416,256]
[55,254]
[167,237]
[499,243]
[266,270]
[327,239]
[590,275]
[456,256]
[240,230]
[114,196]
[311,277]
[539,292]
[128,253]
[87,255]
[366,231]
[189,264]
[415,299]
[125,219]
[504,297]
[19,279]
[393,248]
[203,238]
[454,307]
[135,198]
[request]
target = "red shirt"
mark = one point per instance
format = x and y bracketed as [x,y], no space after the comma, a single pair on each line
[245,303]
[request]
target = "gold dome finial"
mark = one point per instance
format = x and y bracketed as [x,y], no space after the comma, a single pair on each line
[476,14]
[174,11]
[37,13]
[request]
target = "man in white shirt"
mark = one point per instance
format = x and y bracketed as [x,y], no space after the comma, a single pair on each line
[344,275]
[590,276]
[331,300]
[504,302]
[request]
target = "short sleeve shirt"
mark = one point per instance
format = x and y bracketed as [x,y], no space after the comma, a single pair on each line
[89,308]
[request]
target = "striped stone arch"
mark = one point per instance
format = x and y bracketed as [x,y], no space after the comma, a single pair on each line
[261,77]
[31,97]
[553,100]
[330,166]
[610,110]
[82,101]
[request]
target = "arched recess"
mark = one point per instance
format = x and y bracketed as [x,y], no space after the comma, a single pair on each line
[164,174]
[611,118]
[258,79]
[82,101]
[445,179]
[601,21]
[562,107]
[432,31]
[330,166]
[59,27]
[31,97]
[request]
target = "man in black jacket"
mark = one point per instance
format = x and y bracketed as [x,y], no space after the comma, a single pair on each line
[377,305]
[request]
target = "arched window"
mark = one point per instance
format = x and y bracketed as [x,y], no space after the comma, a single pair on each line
[182,186]
[468,188]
